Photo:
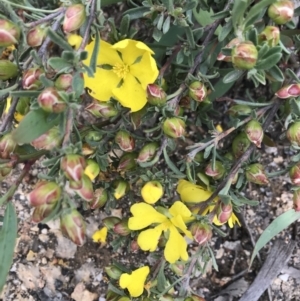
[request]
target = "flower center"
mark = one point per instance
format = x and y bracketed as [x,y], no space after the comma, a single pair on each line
[121,70]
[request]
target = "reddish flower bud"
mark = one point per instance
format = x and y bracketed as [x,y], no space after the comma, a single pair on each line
[73,226]
[134,246]
[224,212]
[293,133]
[75,16]
[73,167]
[232,43]
[156,96]
[9,33]
[217,172]
[31,79]
[125,141]
[289,91]
[110,221]
[36,36]
[295,174]
[64,82]
[100,198]
[41,212]
[7,146]
[49,140]
[50,101]
[8,70]
[86,191]
[255,173]
[174,127]
[148,152]
[202,233]
[102,109]
[5,170]
[271,35]
[127,161]
[197,91]
[121,228]
[239,110]
[296,200]
[281,12]
[240,144]
[121,187]
[254,132]
[244,55]
[44,192]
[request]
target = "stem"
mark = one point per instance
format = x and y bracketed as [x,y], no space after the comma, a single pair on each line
[8,119]
[69,127]
[30,8]
[45,19]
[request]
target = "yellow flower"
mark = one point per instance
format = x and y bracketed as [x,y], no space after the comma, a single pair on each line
[135,281]
[17,115]
[74,40]
[100,235]
[152,191]
[145,215]
[191,193]
[123,72]
[92,169]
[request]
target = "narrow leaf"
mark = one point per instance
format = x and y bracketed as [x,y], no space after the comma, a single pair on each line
[232,76]
[269,62]
[238,10]
[257,8]
[59,40]
[93,62]
[7,90]
[171,165]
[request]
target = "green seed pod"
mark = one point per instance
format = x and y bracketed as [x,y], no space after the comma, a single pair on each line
[255,173]
[281,12]
[240,144]
[244,55]
[8,70]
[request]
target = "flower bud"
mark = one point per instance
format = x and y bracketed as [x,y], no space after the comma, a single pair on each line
[289,91]
[239,110]
[86,191]
[156,96]
[127,161]
[232,43]
[240,144]
[110,221]
[113,272]
[296,200]
[293,133]
[121,228]
[44,192]
[254,132]
[64,82]
[271,35]
[244,55]
[197,91]
[73,167]
[125,141]
[92,169]
[134,246]
[73,226]
[152,191]
[31,79]
[295,174]
[50,101]
[199,158]
[7,146]
[202,233]
[178,268]
[41,212]
[93,136]
[75,16]
[281,12]
[9,33]
[49,140]
[147,152]
[5,170]
[217,172]
[100,198]
[224,212]
[102,109]
[36,36]
[255,173]
[174,127]
[8,70]
[121,187]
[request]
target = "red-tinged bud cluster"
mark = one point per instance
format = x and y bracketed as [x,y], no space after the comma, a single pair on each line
[50,101]
[156,96]
[7,146]
[49,140]
[232,43]
[202,233]
[254,132]
[148,152]
[100,198]
[73,167]
[295,174]
[64,82]
[296,200]
[289,91]
[281,11]
[9,33]
[224,212]
[121,228]
[174,127]
[73,226]
[255,173]
[44,192]
[240,144]
[83,188]
[270,35]
[216,172]
[8,70]
[36,36]
[75,16]
[125,141]
[31,79]
[41,212]
[293,133]
[102,109]
[244,55]
[127,161]
[197,91]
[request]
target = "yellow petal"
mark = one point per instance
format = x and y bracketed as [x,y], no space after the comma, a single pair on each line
[233,220]
[178,208]
[178,222]
[74,40]
[175,247]
[148,239]
[143,216]
[131,94]
[192,193]
[100,235]
[135,281]
[151,192]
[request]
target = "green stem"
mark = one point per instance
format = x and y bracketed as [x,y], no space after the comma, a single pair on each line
[31,8]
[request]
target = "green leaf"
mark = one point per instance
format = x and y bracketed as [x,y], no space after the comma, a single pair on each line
[157,34]
[77,83]
[292,75]
[232,76]
[238,10]
[204,18]
[124,26]
[23,93]
[93,62]
[257,10]
[224,32]
[58,63]
[269,62]
[7,90]
[190,37]
[8,235]
[171,165]
[220,15]
[33,125]
[59,40]
[276,73]
[277,225]
[137,12]
[166,25]
[161,278]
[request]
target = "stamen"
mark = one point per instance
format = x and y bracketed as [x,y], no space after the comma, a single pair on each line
[121,70]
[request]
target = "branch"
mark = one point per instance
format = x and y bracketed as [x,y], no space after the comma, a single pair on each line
[8,119]
[45,19]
